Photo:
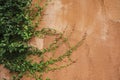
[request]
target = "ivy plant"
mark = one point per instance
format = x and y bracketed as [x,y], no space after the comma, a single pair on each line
[18,22]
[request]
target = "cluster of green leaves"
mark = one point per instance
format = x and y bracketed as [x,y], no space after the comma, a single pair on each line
[16,30]
[17,27]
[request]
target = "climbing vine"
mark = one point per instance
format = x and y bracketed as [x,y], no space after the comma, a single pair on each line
[18,22]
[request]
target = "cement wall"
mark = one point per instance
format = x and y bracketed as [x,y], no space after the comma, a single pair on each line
[99,57]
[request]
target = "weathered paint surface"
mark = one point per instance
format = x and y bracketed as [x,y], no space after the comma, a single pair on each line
[99,57]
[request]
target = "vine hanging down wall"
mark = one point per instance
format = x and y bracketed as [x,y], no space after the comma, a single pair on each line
[18,22]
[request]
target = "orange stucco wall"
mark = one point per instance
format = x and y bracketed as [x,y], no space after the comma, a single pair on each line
[99,57]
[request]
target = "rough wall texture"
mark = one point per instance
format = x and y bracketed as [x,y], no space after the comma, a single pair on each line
[99,57]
